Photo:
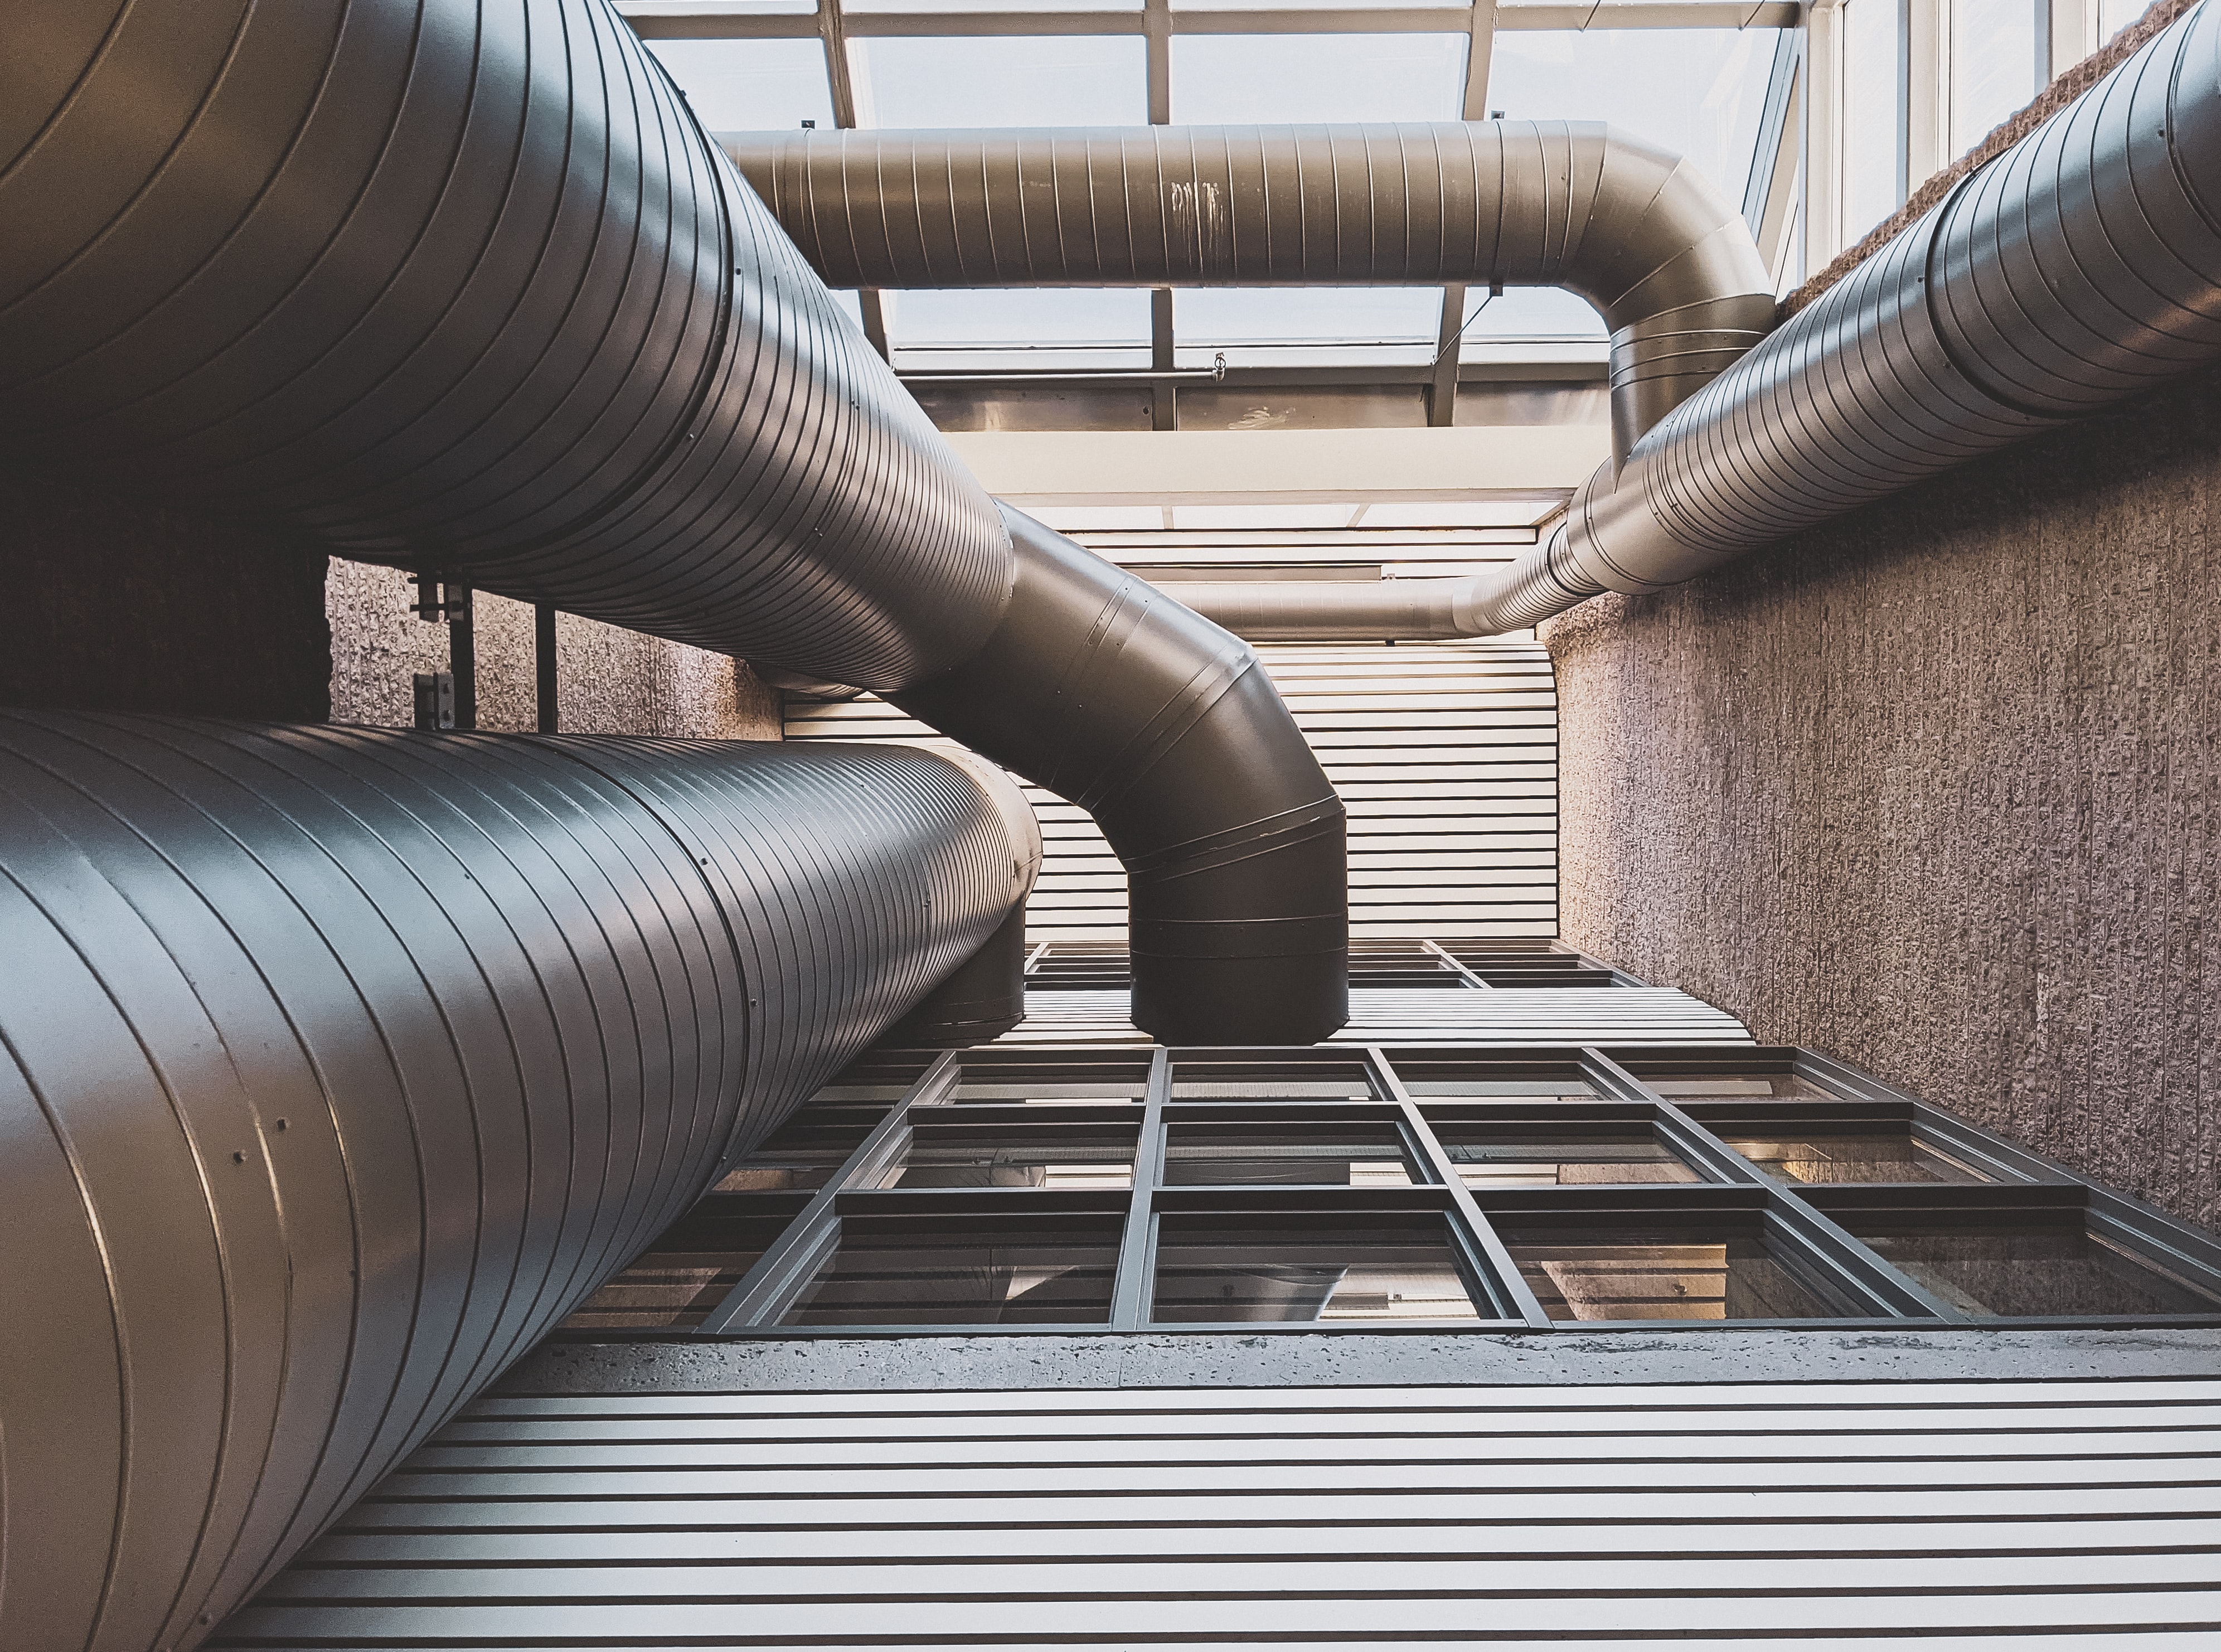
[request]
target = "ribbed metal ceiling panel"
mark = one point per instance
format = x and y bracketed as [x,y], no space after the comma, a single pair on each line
[1755,1515]
[1445,755]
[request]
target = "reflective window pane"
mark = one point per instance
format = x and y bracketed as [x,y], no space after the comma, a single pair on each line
[1536,1155]
[1262,326]
[974,1156]
[1676,1273]
[1265,1081]
[1699,93]
[1019,327]
[751,85]
[1000,80]
[2016,1268]
[692,1268]
[1992,65]
[1324,1154]
[1380,1270]
[954,1274]
[1733,1086]
[1874,151]
[1272,79]
[1864,1154]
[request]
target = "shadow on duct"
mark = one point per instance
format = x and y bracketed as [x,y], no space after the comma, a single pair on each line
[341,1062]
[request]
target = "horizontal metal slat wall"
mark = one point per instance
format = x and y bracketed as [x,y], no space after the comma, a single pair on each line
[1445,755]
[1759,1516]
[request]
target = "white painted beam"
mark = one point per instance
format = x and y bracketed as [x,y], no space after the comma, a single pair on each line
[1069,467]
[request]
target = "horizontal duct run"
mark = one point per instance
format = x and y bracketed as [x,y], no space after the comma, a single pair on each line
[465,288]
[1639,233]
[341,1063]
[2078,269]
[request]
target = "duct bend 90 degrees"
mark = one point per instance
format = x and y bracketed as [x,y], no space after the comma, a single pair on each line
[1166,729]
[1636,231]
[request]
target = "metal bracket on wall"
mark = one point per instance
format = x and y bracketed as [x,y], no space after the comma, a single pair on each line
[436,601]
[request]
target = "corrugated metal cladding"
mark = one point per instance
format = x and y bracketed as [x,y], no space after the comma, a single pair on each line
[2062,1515]
[1445,755]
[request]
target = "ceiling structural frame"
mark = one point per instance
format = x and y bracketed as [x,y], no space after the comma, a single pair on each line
[1435,381]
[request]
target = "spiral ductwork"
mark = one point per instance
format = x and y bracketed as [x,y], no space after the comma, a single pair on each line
[1167,730]
[2081,267]
[1637,232]
[464,287]
[341,1063]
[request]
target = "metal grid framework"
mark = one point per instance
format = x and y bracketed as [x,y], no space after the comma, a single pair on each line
[760,1255]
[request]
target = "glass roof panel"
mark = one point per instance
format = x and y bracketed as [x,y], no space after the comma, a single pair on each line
[1697,91]
[1022,327]
[694,7]
[1316,5]
[1238,79]
[751,85]
[973,6]
[1000,80]
[1529,313]
[1265,325]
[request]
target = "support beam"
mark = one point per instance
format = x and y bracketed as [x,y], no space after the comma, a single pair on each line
[1067,468]
[1823,134]
[711,23]
[2073,32]
[549,719]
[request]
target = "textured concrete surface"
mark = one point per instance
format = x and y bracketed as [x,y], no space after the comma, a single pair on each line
[609,681]
[1216,1360]
[1935,790]
[120,605]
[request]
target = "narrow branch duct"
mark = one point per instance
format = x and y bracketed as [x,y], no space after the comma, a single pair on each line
[2081,267]
[341,1062]
[1637,232]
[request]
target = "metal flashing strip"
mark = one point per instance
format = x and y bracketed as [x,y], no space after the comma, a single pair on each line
[1765,1516]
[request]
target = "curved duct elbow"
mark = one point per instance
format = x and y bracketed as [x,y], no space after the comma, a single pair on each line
[2081,267]
[466,288]
[1166,729]
[341,1064]
[1637,232]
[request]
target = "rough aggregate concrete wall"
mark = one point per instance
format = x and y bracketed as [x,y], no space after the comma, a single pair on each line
[1934,789]
[609,680]
[117,605]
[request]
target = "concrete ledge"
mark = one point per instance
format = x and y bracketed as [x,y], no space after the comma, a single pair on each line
[1150,1361]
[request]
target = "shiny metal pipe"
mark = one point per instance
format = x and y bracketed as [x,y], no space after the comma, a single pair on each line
[1639,233]
[2081,267]
[1167,730]
[341,1063]
[463,286]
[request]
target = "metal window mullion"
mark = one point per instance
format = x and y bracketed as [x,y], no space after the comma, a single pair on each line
[796,1253]
[1130,1290]
[1476,1229]
[1842,1253]
[1443,956]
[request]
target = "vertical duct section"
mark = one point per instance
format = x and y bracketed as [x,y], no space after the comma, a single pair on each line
[1166,729]
[341,1063]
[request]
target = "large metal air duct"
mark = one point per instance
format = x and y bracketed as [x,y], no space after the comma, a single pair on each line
[1637,232]
[463,287]
[341,1063]
[2081,267]
[1167,730]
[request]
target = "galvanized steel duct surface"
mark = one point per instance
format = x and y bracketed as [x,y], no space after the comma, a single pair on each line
[1167,730]
[341,1063]
[464,286]
[2079,267]
[1637,232]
